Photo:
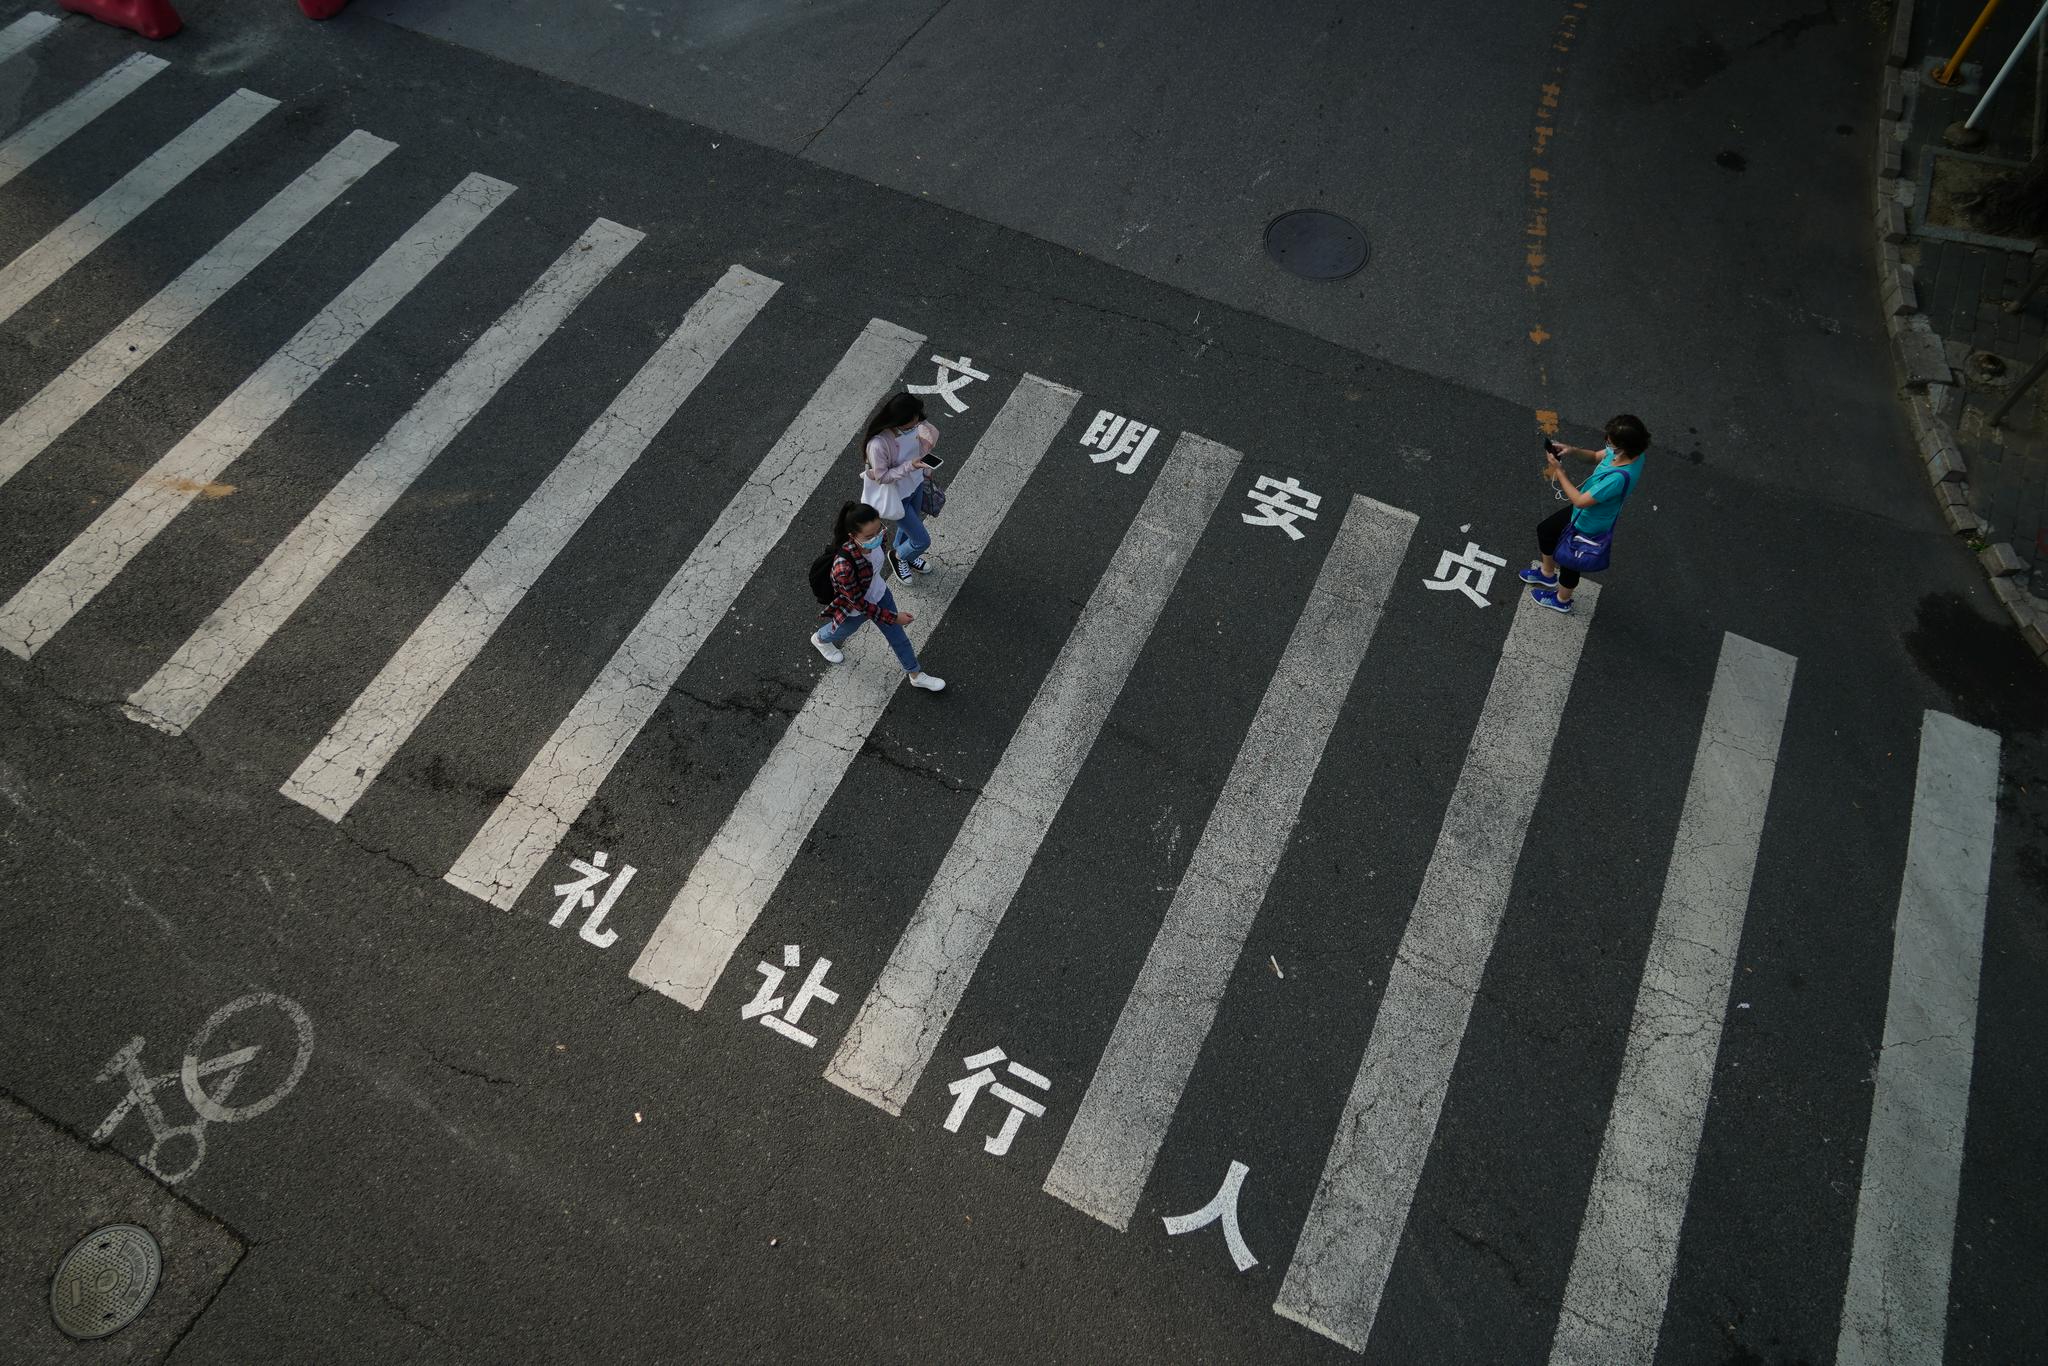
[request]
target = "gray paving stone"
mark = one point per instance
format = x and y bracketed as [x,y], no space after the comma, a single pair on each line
[2000,560]
[1921,358]
[56,1188]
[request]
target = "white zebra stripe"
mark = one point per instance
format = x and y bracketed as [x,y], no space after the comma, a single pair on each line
[1628,1242]
[205,664]
[1353,1230]
[62,588]
[71,241]
[523,831]
[30,28]
[25,148]
[28,431]
[732,881]
[1123,1118]
[347,761]
[1895,1311]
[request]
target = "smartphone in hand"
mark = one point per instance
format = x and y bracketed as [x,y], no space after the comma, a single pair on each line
[1551,447]
[932,462]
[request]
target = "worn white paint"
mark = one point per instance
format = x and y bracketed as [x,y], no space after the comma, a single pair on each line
[214,1109]
[1353,1230]
[207,662]
[734,878]
[1120,439]
[1282,503]
[578,895]
[30,28]
[529,823]
[1895,1309]
[351,755]
[969,1087]
[1469,571]
[1628,1242]
[31,143]
[62,588]
[1116,1134]
[71,241]
[1223,1206]
[766,1002]
[28,431]
[900,1024]
[208,1106]
[953,376]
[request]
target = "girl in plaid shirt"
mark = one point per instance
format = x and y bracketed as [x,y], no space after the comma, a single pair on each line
[860,593]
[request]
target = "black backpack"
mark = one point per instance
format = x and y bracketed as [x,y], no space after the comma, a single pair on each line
[821,574]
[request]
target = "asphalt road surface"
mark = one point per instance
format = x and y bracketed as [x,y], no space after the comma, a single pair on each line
[415,430]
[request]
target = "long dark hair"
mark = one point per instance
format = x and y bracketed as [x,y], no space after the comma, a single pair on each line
[852,516]
[900,410]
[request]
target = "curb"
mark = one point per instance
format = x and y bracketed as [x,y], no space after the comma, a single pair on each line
[1932,393]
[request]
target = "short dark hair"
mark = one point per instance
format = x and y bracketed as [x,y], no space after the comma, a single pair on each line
[1628,434]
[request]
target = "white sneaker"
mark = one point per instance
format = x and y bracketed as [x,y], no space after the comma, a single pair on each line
[929,682]
[833,654]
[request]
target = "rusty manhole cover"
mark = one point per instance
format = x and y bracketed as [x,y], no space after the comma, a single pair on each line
[106,1281]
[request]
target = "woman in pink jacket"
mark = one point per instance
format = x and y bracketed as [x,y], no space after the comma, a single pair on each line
[892,476]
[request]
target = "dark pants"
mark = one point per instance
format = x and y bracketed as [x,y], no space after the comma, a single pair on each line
[1548,531]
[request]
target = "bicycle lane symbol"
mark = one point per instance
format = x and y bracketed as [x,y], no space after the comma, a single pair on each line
[209,1105]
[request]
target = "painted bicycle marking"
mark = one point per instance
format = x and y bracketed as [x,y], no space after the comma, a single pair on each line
[210,1105]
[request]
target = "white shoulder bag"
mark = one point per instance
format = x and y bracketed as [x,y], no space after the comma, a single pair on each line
[883,498]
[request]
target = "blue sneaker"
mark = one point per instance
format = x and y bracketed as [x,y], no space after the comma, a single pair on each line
[1536,576]
[1547,598]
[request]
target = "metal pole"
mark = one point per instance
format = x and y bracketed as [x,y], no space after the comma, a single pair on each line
[2034,283]
[1947,75]
[1970,123]
[2027,381]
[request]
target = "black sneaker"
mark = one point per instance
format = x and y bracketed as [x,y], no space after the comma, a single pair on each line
[920,566]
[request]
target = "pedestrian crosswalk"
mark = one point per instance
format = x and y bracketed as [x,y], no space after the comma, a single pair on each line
[732,882]
[523,831]
[85,567]
[347,761]
[216,652]
[892,1040]
[739,873]
[1122,1121]
[30,429]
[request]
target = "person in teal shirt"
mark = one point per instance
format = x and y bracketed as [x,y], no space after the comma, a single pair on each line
[1595,505]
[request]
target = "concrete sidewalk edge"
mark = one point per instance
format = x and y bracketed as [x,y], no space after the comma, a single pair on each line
[58,1186]
[1931,391]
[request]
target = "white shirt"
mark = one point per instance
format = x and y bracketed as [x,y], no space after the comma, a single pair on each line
[879,584]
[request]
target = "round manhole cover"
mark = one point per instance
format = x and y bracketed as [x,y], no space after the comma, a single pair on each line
[106,1281]
[1317,245]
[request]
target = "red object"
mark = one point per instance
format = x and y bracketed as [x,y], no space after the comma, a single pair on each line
[321,9]
[150,18]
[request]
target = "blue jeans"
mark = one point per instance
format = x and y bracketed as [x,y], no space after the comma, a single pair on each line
[898,638]
[912,540]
